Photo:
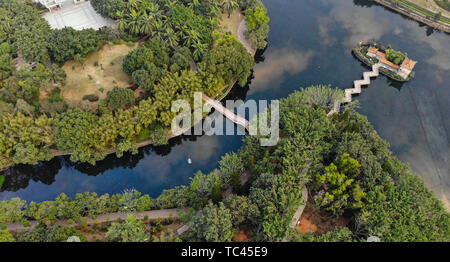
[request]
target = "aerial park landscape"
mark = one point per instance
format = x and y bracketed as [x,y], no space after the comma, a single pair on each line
[358,91]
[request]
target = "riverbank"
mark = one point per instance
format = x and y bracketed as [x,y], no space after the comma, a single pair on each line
[417,13]
[220,96]
[112,217]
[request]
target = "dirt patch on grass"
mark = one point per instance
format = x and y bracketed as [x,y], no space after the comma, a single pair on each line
[231,24]
[102,70]
[319,223]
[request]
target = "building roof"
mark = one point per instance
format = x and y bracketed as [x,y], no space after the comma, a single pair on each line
[408,64]
[382,57]
[373,50]
[384,60]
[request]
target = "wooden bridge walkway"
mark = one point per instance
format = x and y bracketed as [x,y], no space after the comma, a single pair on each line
[237,119]
[349,92]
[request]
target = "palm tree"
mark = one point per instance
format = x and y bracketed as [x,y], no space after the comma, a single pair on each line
[194,4]
[170,4]
[191,38]
[134,22]
[171,37]
[199,50]
[229,6]
[145,22]
[133,4]
[121,23]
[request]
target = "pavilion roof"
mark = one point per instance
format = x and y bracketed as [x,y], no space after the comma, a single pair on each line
[408,64]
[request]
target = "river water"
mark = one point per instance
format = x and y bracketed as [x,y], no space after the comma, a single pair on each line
[310,43]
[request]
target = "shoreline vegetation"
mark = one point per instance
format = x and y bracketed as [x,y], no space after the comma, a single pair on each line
[175,58]
[420,14]
[349,172]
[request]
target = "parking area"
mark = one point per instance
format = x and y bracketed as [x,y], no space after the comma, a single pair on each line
[79,16]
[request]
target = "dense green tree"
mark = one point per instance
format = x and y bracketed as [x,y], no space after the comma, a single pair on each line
[406,211]
[66,43]
[395,56]
[5,236]
[6,67]
[119,98]
[339,188]
[160,137]
[85,135]
[28,33]
[229,60]
[229,6]
[231,165]
[42,233]
[12,210]
[257,26]
[132,230]
[214,224]
[24,139]
[216,192]
[242,209]
[108,8]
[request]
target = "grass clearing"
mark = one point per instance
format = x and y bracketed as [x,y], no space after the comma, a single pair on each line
[101,71]
[231,24]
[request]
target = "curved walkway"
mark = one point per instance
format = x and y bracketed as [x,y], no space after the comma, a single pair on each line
[241,37]
[349,92]
[111,217]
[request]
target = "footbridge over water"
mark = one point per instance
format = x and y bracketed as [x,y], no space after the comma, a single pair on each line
[237,119]
[349,92]
[357,84]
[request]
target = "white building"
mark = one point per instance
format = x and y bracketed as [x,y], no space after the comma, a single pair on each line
[49,4]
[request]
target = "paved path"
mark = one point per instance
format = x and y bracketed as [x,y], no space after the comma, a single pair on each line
[349,92]
[299,212]
[153,214]
[241,37]
[227,113]
[79,16]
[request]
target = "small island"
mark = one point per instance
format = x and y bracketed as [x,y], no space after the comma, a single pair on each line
[392,63]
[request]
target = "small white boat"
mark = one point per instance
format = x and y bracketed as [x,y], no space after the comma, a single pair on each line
[189,161]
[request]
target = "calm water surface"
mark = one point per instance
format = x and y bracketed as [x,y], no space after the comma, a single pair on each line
[310,43]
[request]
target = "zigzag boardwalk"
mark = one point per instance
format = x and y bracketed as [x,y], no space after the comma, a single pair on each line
[357,88]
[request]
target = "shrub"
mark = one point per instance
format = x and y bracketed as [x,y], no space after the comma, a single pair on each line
[119,98]
[25,222]
[91,97]
[42,233]
[160,137]
[132,230]
[394,56]
[5,236]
